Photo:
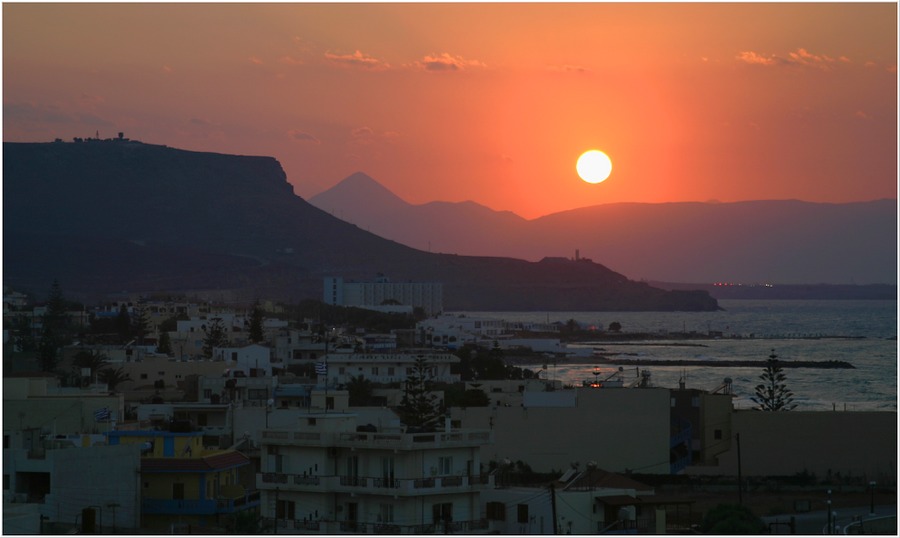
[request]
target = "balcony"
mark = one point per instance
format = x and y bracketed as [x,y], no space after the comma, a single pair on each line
[184,507]
[364,484]
[377,440]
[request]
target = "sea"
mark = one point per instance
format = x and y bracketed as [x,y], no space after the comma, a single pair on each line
[862,333]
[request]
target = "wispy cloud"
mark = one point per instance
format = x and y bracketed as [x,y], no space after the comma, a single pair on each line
[358,60]
[302,136]
[290,60]
[51,114]
[366,135]
[798,58]
[569,69]
[254,60]
[446,62]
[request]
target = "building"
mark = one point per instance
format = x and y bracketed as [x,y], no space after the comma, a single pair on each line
[622,429]
[66,476]
[184,484]
[330,475]
[384,294]
[452,332]
[389,367]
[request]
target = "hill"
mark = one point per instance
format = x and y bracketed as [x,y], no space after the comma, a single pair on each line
[781,241]
[113,216]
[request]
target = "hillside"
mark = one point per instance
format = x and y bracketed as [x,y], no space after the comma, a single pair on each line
[111,216]
[782,241]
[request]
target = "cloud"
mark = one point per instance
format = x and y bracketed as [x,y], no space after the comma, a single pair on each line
[302,136]
[32,113]
[798,58]
[255,60]
[569,69]
[751,57]
[446,62]
[166,69]
[290,60]
[863,115]
[357,59]
[366,135]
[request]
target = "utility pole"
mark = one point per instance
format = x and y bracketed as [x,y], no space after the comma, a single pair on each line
[553,508]
[740,478]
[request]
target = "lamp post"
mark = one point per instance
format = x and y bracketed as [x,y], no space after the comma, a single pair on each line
[872,501]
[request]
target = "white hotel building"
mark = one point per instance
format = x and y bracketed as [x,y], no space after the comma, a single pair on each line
[371,295]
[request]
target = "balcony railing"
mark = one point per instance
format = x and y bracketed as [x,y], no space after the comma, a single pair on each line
[399,441]
[200,506]
[397,486]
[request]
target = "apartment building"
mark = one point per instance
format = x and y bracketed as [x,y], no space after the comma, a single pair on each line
[331,475]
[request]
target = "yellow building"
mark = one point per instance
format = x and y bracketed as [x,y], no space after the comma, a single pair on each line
[185,487]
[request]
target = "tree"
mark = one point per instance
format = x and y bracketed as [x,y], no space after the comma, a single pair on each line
[731,519]
[615,327]
[215,336]
[113,377]
[256,324]
[123,324]
[164,345]
[360,391]
[772,394]
[54,325]
[140,324]
[418,406]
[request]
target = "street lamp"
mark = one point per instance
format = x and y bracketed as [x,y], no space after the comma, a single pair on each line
[872,502]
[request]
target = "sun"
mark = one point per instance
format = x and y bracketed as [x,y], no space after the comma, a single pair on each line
[593,166]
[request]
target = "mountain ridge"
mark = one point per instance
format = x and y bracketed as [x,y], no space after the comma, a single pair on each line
[784,241]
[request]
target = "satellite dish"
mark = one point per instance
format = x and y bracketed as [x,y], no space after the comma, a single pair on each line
[270,402]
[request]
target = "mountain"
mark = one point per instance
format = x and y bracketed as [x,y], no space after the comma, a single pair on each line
[440,226]
[118,216]
[783,241]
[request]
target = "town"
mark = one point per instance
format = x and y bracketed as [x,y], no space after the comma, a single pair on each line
[373,412]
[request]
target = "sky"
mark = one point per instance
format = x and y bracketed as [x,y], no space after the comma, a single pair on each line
[485,102]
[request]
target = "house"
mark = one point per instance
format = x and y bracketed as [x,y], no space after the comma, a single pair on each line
[330,474]
[182,483]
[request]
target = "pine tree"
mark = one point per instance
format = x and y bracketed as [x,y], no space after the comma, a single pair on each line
[215,336]
[256,324]
[772,394]
[164,345]
[419,406]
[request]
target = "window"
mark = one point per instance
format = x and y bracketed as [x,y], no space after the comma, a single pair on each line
[695,401]
[496,511]
[284,509]
[717,434]
[201,419]
[442,513]
[522,513]
[341,370]
[311,422]
[143,376]
[207,393]
[5,481]
[178,491]
[329,402]
[374,370]
[160,373]
[386,513]
[6,441]
[445,465]
[257,394]
[391,370]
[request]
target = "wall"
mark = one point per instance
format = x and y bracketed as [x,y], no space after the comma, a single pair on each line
[618,428]
[785,443]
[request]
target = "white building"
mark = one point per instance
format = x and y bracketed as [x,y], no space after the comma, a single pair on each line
[453,331]
[382,293]
[326,476]
[389,367]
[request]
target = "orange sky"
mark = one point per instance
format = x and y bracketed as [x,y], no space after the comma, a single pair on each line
[484,102]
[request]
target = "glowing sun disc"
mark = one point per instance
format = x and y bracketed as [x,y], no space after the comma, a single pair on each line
[593,166]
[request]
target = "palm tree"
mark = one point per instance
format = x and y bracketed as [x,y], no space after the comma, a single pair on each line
[93,359]
[113,377]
